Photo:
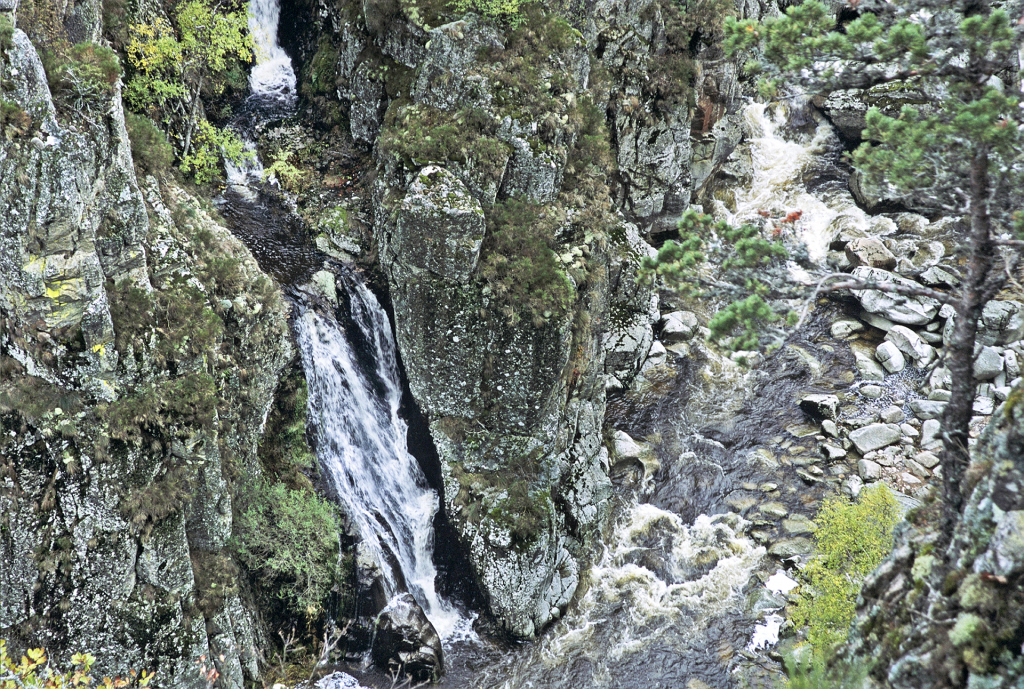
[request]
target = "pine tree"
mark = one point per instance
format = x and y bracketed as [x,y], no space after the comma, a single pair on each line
[959,152]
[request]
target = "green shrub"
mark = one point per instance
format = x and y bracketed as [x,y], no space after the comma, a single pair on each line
[151,150]
[211,145]
[35,671]
[519,264]
[508,11]
[290,540]
[852,539]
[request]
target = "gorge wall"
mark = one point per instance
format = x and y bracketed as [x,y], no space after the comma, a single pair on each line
[140,347]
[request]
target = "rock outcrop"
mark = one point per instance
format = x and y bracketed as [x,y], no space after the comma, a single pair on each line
[954,617]
[139,353]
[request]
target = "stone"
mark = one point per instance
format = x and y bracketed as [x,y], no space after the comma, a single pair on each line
[874,436]
[908,310]
[937,276]
[1001,322]
[657,354]
[869,470]
[1005,553]
[678,326]
[829,427]
[867,251]
[831,452]
[890,357]
[820,406]
[984,405]
[405,642]
[911,344]
[868,367]
[791,547]
[440,225]
[1010,364]
[987,363]
[798,525]
[940,395]
[774,509]
[928,409]
[845,327]
[908,430]
[852,486]
[927,459]
[917,469]
[930,435]
[872,392]
[876,321]
[624,448]
[891,414]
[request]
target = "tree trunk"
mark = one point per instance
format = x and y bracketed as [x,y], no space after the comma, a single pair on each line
[960,352]
[192,118]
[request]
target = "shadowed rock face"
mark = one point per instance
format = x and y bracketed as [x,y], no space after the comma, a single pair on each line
[117,430]
[405,642]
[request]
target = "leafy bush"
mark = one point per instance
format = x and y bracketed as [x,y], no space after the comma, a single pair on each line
[211,144]
[851,540]
[519,264]
[509,11]
[34,671]
[290,539]
[151,150]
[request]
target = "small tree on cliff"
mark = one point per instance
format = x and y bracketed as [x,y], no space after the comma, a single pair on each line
[173,67]
[960,153]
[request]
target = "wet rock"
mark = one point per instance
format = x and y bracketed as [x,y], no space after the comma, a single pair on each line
[927,409]
[774,509]
[845,327]
[820,406]
[869,470]
[891,357]
[799,525]
[657,354]
[678,326]
[791,547]
[624,448]
[406,643]
[870,252]
[897,308]
[987,363]
[874,436]
[911,344]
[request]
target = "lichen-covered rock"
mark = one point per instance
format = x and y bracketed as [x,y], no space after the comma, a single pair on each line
[128,391]
[926,617]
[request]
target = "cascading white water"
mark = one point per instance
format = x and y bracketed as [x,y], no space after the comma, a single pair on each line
[778,184]
[272,82]
[354,398]
[273,75]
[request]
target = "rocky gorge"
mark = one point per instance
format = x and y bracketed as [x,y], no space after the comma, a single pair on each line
[498,185]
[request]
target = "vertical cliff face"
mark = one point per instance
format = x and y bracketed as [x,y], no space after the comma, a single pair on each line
[139,351]
[513,167]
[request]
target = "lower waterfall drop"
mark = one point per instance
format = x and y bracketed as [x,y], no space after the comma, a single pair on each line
[354,396]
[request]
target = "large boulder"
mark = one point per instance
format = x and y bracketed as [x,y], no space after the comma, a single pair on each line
[904,309]
[406,643]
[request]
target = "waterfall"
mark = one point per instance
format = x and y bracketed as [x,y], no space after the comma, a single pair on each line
[273,75]
[354,397]
[778,185]
[272,86]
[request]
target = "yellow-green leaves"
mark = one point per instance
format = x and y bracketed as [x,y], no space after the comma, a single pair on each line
[852,539]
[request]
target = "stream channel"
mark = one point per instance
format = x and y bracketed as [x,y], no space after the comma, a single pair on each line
[677,593]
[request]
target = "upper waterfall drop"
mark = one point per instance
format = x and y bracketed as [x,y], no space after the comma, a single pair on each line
[273,75]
